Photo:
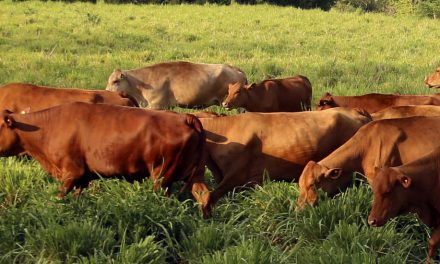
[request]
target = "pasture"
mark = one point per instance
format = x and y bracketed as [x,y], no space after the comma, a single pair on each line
[79,45]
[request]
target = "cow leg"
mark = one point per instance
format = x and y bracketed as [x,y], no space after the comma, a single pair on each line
[200,192]
[162,177]
[80,185]
[69,181]
[433,243]
[70,175]
[229,182]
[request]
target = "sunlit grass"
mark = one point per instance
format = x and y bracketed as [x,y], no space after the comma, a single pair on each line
[79,45]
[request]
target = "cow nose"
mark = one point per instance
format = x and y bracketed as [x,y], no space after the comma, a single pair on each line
[372,222]
[225,104]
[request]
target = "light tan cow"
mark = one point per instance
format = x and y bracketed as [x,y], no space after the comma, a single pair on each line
[293,94]
[387,142]
[433,80]
[407,111]
[186,84]
[242,148]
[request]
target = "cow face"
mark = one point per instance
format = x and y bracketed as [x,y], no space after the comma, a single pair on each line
[236,96]
[9,143]
[117,82]
[433,80]
[390,189]
[313,176]
[326,102]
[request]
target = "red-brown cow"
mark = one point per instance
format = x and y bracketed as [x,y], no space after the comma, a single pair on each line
[75,141]
[293,94]
[433,80]
[387,142]
[375,102]
[413,187]
[242,149]
[22,97]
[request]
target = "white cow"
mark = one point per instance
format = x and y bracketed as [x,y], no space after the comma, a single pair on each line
[179,83]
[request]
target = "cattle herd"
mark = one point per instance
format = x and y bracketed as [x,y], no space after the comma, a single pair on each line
[80,135]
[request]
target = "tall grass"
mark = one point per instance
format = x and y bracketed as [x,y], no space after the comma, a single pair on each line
[79,45]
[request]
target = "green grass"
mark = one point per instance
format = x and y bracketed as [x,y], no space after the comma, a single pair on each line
[79,45]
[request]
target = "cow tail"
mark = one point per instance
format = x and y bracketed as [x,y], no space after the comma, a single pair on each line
[129,97]
[195,123]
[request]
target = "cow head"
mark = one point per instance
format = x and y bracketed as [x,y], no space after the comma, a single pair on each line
[313,176]
[390,191]
[433,80]
[9,142]
[117,82]
[326,102]
[237,95]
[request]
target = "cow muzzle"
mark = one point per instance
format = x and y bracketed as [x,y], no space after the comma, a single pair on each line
[226,105]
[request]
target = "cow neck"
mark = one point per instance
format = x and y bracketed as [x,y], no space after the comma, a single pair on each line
[425,177]
[32,136]
[347,157]
[34,142]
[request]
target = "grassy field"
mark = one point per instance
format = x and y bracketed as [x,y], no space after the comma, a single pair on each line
[79,45]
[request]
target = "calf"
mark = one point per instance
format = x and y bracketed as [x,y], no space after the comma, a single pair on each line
[433,80]
[388,142]
[292,94]
[74,142]
[21,97]
[412,187]
[375,102]
[241,149]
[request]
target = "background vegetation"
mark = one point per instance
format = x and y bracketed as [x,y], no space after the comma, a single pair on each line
[427,8]
[79,45]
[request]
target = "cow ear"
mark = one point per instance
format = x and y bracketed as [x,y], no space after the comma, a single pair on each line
[9,121]
[405,181]
[120,75]
[333,173]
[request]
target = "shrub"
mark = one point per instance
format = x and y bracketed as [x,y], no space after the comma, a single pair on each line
[364,5]
[429,8]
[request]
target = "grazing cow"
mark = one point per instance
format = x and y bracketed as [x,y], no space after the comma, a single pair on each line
[21,97]
[375,102]
[387,142]
[433,80]
[412,187]
[180,83]
[242,148]
[407,111]
[75,141]
[293,94]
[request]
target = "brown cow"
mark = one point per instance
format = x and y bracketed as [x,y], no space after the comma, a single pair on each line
[293,94]
[407,111]
[375,102]
[433,80]
[413,187]
[179,83]
[242,148]
[387,142]
[21,97]
[74,141]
